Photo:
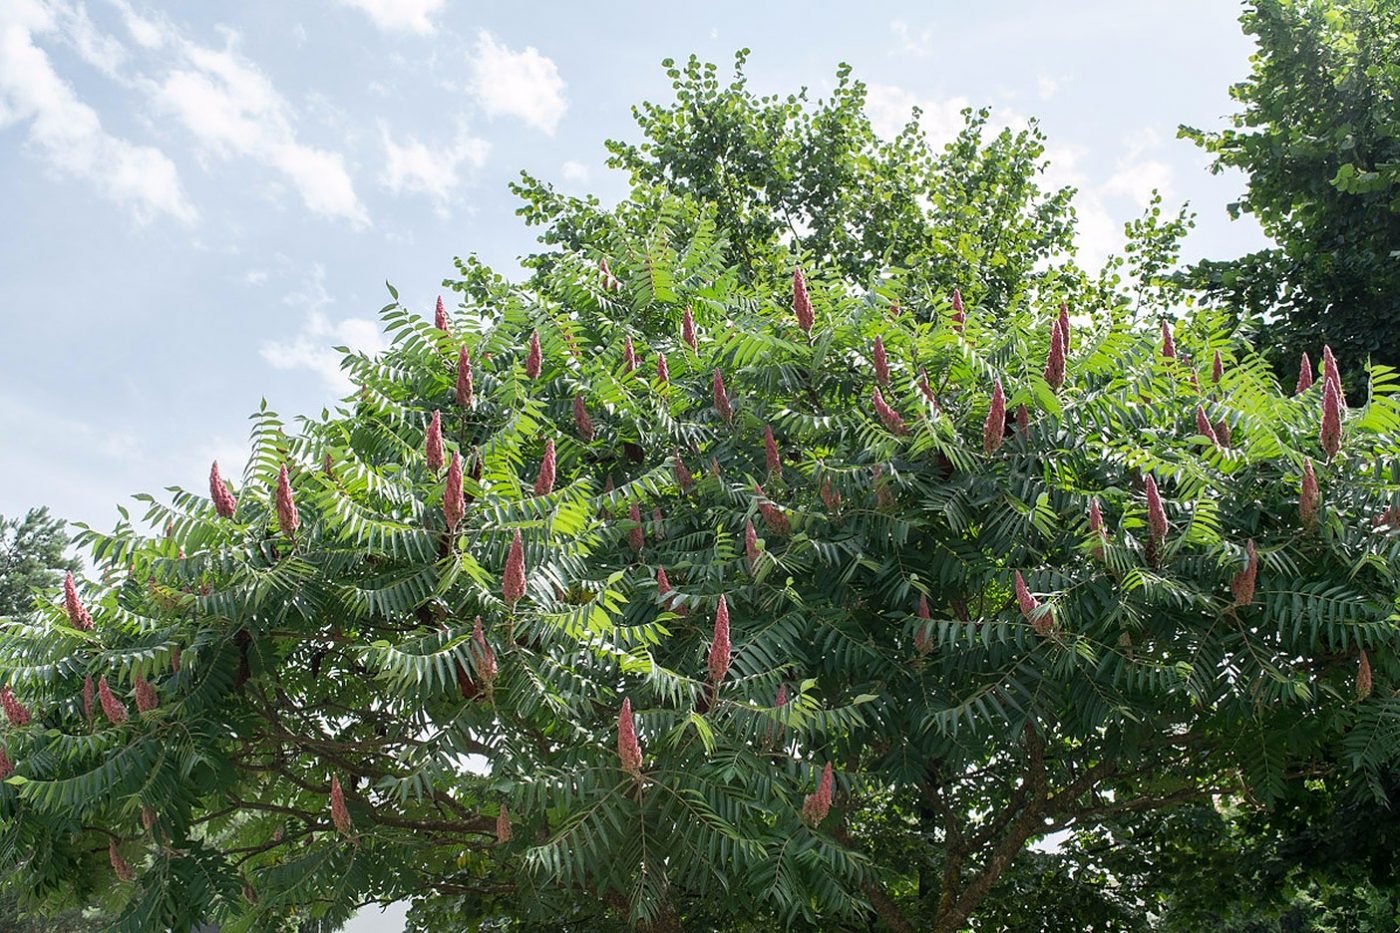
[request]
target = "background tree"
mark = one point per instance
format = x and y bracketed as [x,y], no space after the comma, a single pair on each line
[646,593]
[33,553]
[32,556]
[787,175]
[1319,139]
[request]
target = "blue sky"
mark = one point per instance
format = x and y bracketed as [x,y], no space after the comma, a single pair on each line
[199,199]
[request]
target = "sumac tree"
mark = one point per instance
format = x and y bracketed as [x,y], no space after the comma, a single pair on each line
[634,596]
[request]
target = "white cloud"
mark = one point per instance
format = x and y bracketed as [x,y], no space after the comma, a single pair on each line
[1046,87]
[575,171]
[920,45]
[255,276]
[310,348]
[69,132]
[890,109]
[524,84]
[233,110]
[418,168]
[1137,180]
[400,15]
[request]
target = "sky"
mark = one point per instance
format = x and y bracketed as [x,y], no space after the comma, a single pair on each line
[200,199]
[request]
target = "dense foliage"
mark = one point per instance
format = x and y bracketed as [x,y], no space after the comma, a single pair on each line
[1319,138]
[677,589]
[32,556]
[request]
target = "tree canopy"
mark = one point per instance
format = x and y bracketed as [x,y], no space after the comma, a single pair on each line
[694,584]
[1319,139]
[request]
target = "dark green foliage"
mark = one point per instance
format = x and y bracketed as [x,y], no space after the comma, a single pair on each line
[1319,138]
[31,558]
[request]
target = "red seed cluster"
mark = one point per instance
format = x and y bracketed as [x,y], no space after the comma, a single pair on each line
[114,709]
[719,657]
[773,517]
[224,502]
[1305,375]
[688,329]
[513,580]
[882,362]
[629,750]
[582,423]
[891,418]
[544,483]
[994,428]
[287,518]
[15,711]
[432,445]
[534,359]
[818,804]
[340,816]
[146,698]
[801,302]
[1308,495]
[78,616]
[454,500]
[464,378]
[1242,586]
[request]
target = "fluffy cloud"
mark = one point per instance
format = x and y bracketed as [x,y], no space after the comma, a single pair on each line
[575,171]
[525,85]
[233,110]
[310,348]
[400,15]
[416,167]
[890,108]
[68,131]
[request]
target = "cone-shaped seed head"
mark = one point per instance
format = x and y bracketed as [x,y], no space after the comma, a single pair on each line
[485,657]
[629,750]
[994,428]
[432,446]
[1308,495]
[1055,362]
[224,502]
[287,518]
[454,501]
[1329,435]
[544,483]
[534,359]
[882,363]
[464,378]
[503,832]
[340,816]
[818,804]
[114,709]
[1203,425]
[582,423]
[513,580]
[688,329]
[891,418]
[146,698]
[770,451]
[721,397]
[801,302]
[78,616]
[1305,375]
[15,711]
[1242,586]
[719,645]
